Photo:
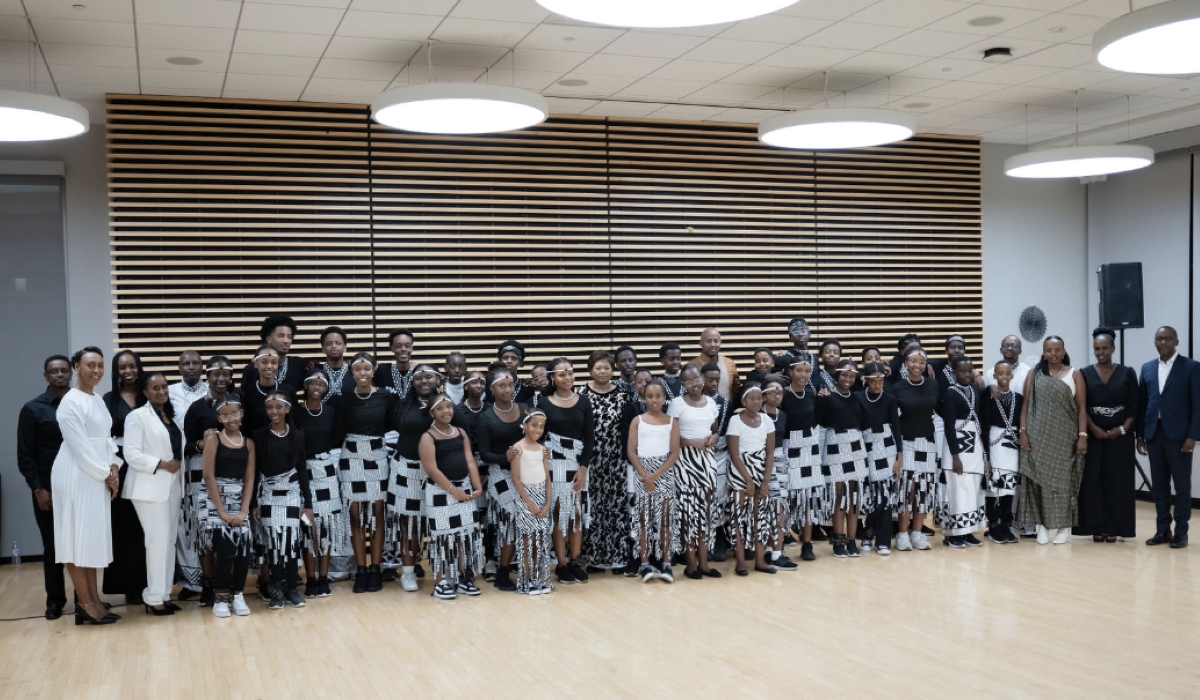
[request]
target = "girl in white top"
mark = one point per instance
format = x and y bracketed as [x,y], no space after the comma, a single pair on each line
[653,449]
[529,466]
[751,437]
[696,473]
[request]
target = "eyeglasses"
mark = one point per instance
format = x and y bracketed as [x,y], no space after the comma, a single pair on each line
[229,416]
[1010,346]
[694,382]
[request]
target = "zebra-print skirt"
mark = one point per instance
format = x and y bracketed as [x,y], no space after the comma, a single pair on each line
[652,508]
[695,476]
[330,530]
[533,541]
[753,518]
[572,505]
[212,526]
[280,505]
[194,495]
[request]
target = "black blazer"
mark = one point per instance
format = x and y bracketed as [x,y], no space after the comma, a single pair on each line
[1178,404]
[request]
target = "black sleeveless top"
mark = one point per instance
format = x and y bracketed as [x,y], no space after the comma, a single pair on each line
[230,463]
[451,460]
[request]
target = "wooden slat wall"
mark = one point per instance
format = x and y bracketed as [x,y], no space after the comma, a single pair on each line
[570,236]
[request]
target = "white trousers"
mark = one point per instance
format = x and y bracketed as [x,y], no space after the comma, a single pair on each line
[160,521]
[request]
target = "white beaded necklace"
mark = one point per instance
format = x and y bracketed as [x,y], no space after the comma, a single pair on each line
[439,431]
[364,398]
[230,440]
[287,429]
[319,410]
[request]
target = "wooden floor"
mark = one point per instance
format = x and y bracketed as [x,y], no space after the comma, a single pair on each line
[1109,620]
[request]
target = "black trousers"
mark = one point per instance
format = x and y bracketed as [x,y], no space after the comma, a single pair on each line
[1168,464]
[999,510]
[1106,498]
[881,520]
[56,588]
[285,575]
[126,575]
[230,567]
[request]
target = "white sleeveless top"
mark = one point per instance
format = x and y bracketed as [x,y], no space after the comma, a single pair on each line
[654,440]
[694,423]
[1070,380]
[532,467]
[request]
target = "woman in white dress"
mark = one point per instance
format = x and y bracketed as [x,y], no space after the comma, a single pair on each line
[85,481]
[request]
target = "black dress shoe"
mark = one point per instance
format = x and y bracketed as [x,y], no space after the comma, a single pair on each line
[1179,542]
[1160,538]
[53,612]
[187,593]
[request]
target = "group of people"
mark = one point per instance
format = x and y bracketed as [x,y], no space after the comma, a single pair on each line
[349,465]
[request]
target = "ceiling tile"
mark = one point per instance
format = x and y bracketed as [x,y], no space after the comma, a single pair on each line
[566,38]
[479,31]
[959,90]
[290,18]
[554,61]
[631,66]
[852,35]
[460,55]
[775,28]
[1131,84]
[155,78]
[745,116]
[14,28]
[1059,56]
[708,30]
[919,104]
[728,92]
[825,9]
[1069,80]
[182,39]
[907,13]
[272,65]
[352,69]
[189,13]
[66,31]
[609,108]
[385,25]
[73,91]
[639,43]
[768,76]
[500,10]
[1057,27]
[925,122]
[371,49]
[902,85]
[280,43]
[251,83]
[925,42]
[568,105]
[1019,48]
[879,63]
[1013,74]
[982,124]
[181,91]
[732,51]
[1020,95]
[532,80]
[810,57]
[653,87]
[1110,9]
[863,99]
[96,10]
[838,81]
[210,61]
[686,112]
[350,88]
[596,84]
[338,4]
[442,74]
[960,21]
[946,69]
[699,70]
[96,75]
[408,7]
[968,108]
[85,55]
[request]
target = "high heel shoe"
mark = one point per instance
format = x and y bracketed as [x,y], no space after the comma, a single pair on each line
[171,606]
[82,617]
[158,612]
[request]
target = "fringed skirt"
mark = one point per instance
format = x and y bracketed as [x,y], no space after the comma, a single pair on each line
[280,505]
[533,541]
[807,493]
[455,541]
[194,500]
[844,461]
[962,508]
[363,474]
[407,498]
[213,527]
[652,508]
[502,502]
[695,477]
[1006,462]
[919,488]
[572,505]
[882,488]
[752,518]
[331,528]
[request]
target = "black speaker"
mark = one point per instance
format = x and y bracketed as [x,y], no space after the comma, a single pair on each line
[1121,296]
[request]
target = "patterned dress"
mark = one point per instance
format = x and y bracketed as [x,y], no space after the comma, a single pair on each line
[1050,470]
[606,543]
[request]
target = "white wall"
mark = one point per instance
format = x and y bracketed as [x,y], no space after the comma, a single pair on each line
[1034,254]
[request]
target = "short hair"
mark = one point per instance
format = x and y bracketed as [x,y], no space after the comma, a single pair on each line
[192,352]
[400,331]
[80,353]
[1104,331]
[260,348]
[334,329]
[959,360]
[456,353]
[796,320]
[643,370]
[215,360]
[908,339]
[775,379]
[869,348]
[766,350]
[690,367]
[513,346]
[54,358]
[873,368]
[625,348]
[667,347]
[270,323]
[709,367]
[829,342]
[601,356]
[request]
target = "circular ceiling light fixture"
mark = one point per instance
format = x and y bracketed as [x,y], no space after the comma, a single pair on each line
[1158,39]
[663,13]
[1079,161]
[459,108]
[28,116]
[848,127]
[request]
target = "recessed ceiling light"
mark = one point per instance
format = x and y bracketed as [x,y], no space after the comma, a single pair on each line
[568,39]
[947,69]
[79,7]
[1057,30]
[997,54]
[916,105]
[184,61]
[572,82]
[986,21]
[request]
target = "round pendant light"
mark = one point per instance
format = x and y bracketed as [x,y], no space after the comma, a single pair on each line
[28,116]
[662,13]
[816,129]
[459,108]
[1159,39]
[1079,161]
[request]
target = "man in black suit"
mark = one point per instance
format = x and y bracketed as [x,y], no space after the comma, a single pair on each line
[1167,430]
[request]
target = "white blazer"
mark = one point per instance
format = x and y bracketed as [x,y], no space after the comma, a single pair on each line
[147,443]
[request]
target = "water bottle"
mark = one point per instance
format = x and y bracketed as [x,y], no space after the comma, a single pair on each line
[16,556]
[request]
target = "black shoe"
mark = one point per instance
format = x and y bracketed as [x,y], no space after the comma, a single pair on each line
[420,572]
[360,580]
[502,581]
[158,612]
[54,611]
[788,540]
[694,575]
[711,573]
[925,530]
[294,598]
[806,552]
[374,579]
[82,618]
[207,597]
[971,540]
[632,568]
[1160,538]
[852,549]
[578,572]
[312,588]
[954,542]
[680,559]
[1179,542]
[187,593]
[839,550]
[595,570]
[996,535]
[323,588]
[389,575]
[785,564]
[564,575]
[276,601]
[171,606]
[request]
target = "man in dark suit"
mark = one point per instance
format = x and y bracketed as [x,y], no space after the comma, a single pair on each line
[1167,430]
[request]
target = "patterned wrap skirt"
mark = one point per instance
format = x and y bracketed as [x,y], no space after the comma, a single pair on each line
[919,487]
[652,508]
[753,519]
[844,461]
[1006,463]
[280,505]
[962,508]
[533,541]
[502,502]
[455,540]
[807,493]
[695,478]
[194,499]
[363,474]
[404,514]
[882,490]
[212,526]
[572,505]
[330,530]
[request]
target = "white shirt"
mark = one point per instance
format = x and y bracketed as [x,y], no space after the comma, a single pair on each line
[751,440]
[182,396]
[694,423]
[1164,371]
[454,391]
[1020,372]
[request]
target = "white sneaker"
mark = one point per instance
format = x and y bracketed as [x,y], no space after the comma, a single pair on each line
[536,589]
[239,605]
[883,550]
[221,609]
[408,581]
[903,543]
[919,541]
[865,546]
[1043,535]
[1062,536]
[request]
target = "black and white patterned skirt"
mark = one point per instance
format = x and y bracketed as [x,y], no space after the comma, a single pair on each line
[962,508]
[501,506]
[920,491]
[882,488]
[652,508]
[1006,459]
[280,505]
[572,505]
[807,489]
[752,518]
[213,527]
[455,540]
[406,499]
[363,474]
[194,510]
[533,541]
[695,478]
[331,529]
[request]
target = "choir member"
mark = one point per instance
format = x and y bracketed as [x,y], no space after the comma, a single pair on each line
[696,471]
[606,544]
[329,531]
[570,437]
[963,458]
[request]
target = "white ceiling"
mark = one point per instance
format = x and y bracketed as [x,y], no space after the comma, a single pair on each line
[920,56]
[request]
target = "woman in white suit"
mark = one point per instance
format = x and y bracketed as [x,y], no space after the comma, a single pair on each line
[154,450]
[84,480]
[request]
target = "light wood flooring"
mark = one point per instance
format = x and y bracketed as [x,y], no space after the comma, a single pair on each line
[1019,621]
